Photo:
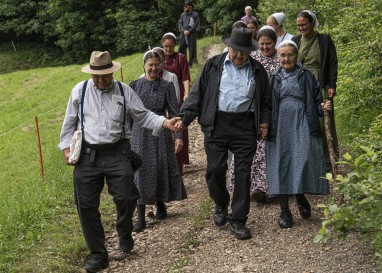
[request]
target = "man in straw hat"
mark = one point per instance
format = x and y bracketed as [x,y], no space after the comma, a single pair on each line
[107,108]
[232,102]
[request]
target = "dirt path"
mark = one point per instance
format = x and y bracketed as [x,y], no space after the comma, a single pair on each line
[161,247]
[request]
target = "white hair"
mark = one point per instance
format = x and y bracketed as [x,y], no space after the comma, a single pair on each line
[248,7]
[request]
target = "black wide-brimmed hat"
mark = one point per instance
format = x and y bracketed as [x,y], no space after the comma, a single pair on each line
[189,3]
[241,39]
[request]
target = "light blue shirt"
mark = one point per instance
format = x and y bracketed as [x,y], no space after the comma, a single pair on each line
[237,87]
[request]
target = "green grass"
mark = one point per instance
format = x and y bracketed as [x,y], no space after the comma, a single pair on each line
[39,226]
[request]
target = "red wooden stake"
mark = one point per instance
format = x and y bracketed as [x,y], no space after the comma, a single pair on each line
[39,150]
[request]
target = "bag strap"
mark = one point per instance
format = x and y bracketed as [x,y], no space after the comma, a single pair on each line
[82,107]
[124,109]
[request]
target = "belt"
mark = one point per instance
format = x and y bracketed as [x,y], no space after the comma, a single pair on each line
[234,115]
[110,149]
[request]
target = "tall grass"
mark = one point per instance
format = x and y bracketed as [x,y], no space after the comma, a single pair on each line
[38,218]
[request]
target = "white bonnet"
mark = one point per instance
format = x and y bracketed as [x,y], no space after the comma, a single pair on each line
[313,16]
[290,42]
[280,17]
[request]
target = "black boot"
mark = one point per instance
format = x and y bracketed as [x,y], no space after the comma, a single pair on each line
[303,206]
[141,223]
[161,210]
[286,219]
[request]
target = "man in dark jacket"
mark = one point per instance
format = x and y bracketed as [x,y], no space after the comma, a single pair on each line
[233,104]
[189,25]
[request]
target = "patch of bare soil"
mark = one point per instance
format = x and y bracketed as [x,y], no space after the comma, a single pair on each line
[271,249]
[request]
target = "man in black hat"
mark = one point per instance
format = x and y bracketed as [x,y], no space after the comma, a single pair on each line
[189,25]
[232,101]
[101,108]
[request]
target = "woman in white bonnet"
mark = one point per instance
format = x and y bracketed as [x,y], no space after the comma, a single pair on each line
[276,21]
[318,54]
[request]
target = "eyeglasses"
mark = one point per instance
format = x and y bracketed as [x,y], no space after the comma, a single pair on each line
[285,56]
[154,65]
[302,25]
[243,53]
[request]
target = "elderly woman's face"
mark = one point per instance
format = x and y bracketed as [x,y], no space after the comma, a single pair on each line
[168,47]
[267,46]
[288,57]
[305,27]
[152,68]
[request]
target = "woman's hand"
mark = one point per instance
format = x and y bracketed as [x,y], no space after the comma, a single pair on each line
[327,106]
[178,145]
[263,131]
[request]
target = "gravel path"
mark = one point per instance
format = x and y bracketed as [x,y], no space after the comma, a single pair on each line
[165,245]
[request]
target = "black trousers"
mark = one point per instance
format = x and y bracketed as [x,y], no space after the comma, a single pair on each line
[191,44]
[114,167]
[233,131]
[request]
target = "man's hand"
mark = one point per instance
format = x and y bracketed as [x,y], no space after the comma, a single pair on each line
[170,124]
[263,131]
[186,33]
[178,145]
[66,153]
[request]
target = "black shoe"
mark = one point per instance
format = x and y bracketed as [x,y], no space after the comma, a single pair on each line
[303,206]
[126,245]
[139,226]
[259,196]
[240,231]
[286,218]
[96,264]
[161,211]
[220,215]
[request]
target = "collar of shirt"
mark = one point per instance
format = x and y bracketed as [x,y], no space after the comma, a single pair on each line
[235,86]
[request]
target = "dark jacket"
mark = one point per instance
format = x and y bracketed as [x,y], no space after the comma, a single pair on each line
[328,59]
[202,101]
[312,98]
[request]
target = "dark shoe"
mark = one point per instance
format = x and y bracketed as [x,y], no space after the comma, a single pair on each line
[259,196]
[126,245]
[161,211]
[303,206]
[139,226]
[220,215]
[96,264]
[240,231]
[286,218]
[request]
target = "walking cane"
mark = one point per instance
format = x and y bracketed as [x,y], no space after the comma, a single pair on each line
[329,139]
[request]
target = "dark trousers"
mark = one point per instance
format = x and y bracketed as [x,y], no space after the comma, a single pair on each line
[88,184]
[236,133]
[190,42]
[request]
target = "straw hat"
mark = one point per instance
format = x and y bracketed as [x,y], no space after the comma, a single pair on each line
[101,64]
[241,39]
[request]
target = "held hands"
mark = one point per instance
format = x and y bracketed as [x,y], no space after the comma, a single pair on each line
[172,124]
[263,131]
[179,126]
[66,153]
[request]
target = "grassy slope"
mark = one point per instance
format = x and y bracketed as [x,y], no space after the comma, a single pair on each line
[38,219]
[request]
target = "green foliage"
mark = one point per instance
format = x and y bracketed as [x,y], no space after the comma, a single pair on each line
[363,189]
[224,12]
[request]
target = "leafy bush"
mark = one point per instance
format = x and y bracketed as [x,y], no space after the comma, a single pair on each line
[362,189]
